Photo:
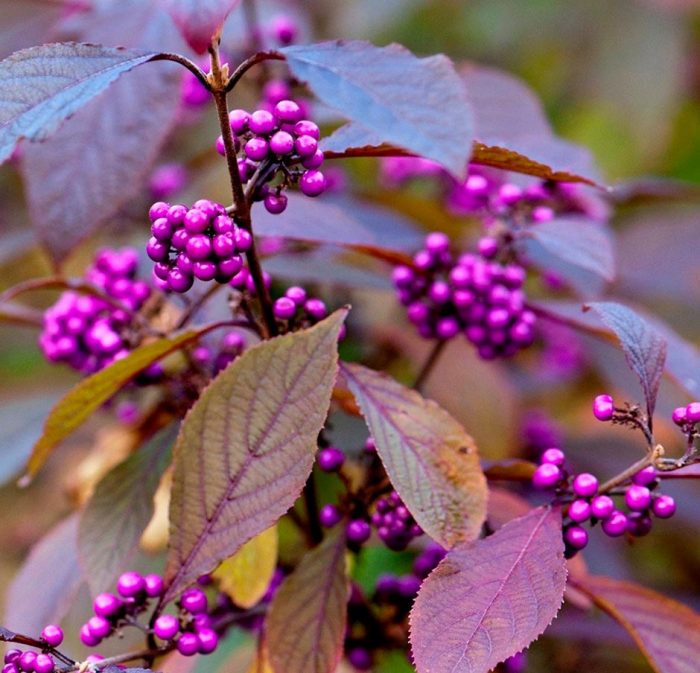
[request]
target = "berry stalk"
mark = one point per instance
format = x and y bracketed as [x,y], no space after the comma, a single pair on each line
[241,203]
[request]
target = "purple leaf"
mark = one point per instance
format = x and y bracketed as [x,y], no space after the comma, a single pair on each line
[92,392]
[644,347]
[199,20]
[247,446]
[490,598]
[431,461]
[513,132]
[42,86]
[305,624]
[344,222]
[43,590]
[396,96]
[579,242]
[119,511]
[667,632]
[120,134]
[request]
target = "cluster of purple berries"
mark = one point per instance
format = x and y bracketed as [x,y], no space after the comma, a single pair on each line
[587,504]
[687,418]
[88,332]
[473,295]
[395,525]
[28,661]
[200,242]
[296,308]
[272,143]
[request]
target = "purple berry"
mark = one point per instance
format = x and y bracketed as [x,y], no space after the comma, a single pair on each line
[284,29]
[158,210]
[282,143]
[196,221]
[162,230]
[639,524]
[257,149]
[223,246]
[194,601]
[43,663]
[288,111]
[579,510]
[166,627]
[10,668]
[585,485]
[663,506]
[315,308]
[199,247]
[615,525]
[53,635]
[205,270]
[106,605]
[329,515]
[238,120]
[576,537]
[154,585]
[360,658]
[284,308]
[645,477]
[358,531]
[488,247]
[244,240]
[99,627]
[208,640]
[637,498]
[330,459]
[679,415]
[602,506]
[275,203]
[178,281]
[228,268]
[306,146]
[603,407]
[692,412]
[553,456]
[130,584]
[156,250]
[187,644]
[27,660]
[262,122]
[12,655]
[314,160]
[307,128]
[312,183]
[546,476]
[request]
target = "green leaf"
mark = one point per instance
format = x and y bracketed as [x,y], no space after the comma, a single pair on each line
[247,446]
[119,511]
[89,395]
[431,460]
[306,622]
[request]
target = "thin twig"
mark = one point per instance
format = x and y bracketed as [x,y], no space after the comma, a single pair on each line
[429,364]
[243,68]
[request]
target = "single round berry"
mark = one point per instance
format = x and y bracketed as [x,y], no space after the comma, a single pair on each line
[315,308]
[663,506]
[330,459]
[488,247]
[358,531]
[106,605]
[284,308]
[312,183]
[275,203]
[603,407]
[178,281]
[154,586]
[546,476]
[199,247]
[43,663]
[87,638]
[579,510]
[156,250]
[282,143]
[194,601]
[187,644]
[637,498]
[196,221]
[262,122]
[166,627]
[585,485]
[238,119]
[158,210]
[208,640]
[288,111]
[205,270]
[576,537]
[130,584]
[679,415]
[10,668]
[27,661]
[329,515]
[99,627]
[692,412]
[314,160]
[244,240]
[257,149]
[53,635]
[639,524]
[12,655]
[553,456]
[284,29]
[602,506]
[306,146]
[360,658]
[645,477]
[615,525]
